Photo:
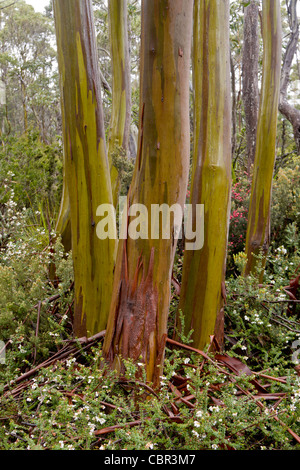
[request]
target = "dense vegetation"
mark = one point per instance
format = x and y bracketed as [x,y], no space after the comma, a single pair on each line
[56,392]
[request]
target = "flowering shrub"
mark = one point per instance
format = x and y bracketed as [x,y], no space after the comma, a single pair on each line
[25,257]
[240,198]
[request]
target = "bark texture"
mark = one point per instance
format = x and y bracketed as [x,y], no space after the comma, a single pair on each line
[86,163]
[250,78]
[202,289]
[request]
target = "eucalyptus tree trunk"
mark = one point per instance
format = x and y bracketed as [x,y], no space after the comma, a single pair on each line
[258,229]
[202,289]
[86,164]
[291,113]
[137,325]
[250,78]
[118,137]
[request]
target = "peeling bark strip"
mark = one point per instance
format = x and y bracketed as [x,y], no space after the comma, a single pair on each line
[137,323]
[204,270]
[86,166]
[258,230]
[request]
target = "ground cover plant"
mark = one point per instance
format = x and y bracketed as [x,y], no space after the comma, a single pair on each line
[57,393]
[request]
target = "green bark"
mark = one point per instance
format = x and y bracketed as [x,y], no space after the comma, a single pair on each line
[258,229]
[137,325]
[86,163]
[118,137]
[202,289]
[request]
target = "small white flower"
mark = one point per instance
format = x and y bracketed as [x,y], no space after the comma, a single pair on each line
[196,424]
[149,445]
[100,420]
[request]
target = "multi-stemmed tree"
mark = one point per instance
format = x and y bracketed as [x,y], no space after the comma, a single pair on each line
[130,295]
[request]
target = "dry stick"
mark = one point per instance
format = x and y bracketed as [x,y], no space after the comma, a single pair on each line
[46,363]
[58,356]
[5,346]
[203,354]
[37,328]
[289,301]
[142,384]
[117,426]
[262,407]
[49,300]
[276,379]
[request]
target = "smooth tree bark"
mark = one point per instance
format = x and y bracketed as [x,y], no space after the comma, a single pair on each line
[258,228]
[137,325]
[291,113]
[202,288]
[119,130]
[86,164]
[250,78]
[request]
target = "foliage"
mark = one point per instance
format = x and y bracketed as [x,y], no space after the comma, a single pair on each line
[34,171]
[240,197]
[261,325]
[286,201]
[26,257]
[76,404]
[70,404]
[125,167]
[27,69]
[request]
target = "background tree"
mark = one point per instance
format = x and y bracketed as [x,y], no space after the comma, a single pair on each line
[250,77]
[27,68]
[202,288]
[258,229]
[285,107]
[137,324]
[86,163]
[119,129]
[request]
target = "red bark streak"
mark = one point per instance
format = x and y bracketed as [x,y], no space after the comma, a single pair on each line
[136,315]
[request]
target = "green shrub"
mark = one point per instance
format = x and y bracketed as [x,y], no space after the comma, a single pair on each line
[33,169]
[286,201]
